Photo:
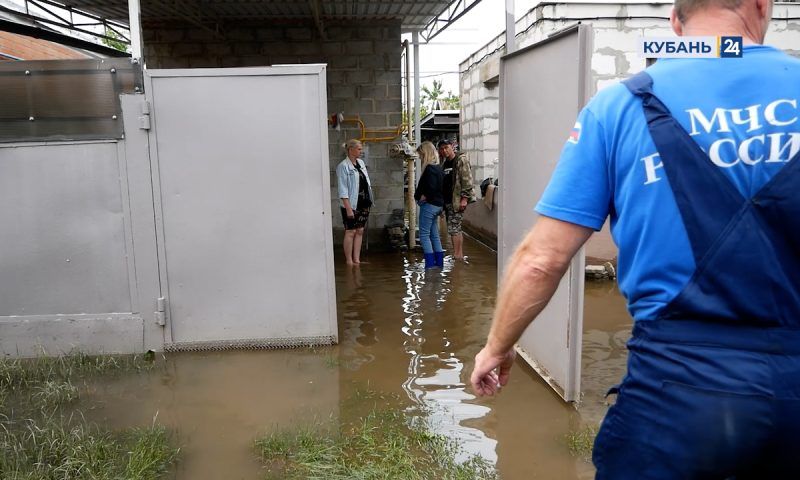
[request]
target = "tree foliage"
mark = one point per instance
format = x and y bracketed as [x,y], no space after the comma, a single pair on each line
[115,40]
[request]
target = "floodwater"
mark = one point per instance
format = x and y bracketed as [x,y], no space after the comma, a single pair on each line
[403,332]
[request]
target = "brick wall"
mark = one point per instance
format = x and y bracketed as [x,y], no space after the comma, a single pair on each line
[29,48]
[363,80]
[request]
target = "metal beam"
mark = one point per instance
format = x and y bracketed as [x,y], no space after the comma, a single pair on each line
[453,12]
[62,20]
[135,22]
[415,41]
[315,11]
[72,10]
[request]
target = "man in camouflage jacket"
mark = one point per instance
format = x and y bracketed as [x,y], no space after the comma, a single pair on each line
[458,192]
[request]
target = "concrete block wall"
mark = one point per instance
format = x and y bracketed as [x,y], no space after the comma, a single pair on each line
[363,76]
[616,29]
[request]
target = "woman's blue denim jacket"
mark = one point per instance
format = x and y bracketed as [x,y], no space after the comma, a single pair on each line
[347,179]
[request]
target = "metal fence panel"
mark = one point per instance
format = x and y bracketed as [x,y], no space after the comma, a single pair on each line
[67,275]
[64,246]
[542,89]
[242,179]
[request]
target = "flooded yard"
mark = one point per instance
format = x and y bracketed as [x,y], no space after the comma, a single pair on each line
[407,338]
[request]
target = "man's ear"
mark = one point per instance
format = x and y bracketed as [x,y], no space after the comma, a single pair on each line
[764,8]
[676,24]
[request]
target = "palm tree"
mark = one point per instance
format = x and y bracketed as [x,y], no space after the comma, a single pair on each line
[433,95]
[451,101]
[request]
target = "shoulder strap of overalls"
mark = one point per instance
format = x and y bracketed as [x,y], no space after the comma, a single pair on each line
[706,198]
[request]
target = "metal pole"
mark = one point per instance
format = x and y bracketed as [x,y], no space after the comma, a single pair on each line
[411,207]
[415,39]
[135,23]
[417,136]
[511,25]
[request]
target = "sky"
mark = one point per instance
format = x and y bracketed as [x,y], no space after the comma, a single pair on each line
[439,59]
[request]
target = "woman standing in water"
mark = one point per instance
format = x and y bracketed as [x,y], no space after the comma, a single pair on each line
[355,199]
[431,201]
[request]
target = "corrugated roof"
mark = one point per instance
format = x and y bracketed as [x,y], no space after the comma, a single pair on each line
[413,14]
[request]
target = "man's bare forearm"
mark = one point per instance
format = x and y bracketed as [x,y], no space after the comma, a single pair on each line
[531,279]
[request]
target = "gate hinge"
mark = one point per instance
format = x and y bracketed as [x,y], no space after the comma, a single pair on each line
[144,119]
[161,311]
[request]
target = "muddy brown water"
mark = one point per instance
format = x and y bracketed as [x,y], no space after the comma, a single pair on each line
[403,332]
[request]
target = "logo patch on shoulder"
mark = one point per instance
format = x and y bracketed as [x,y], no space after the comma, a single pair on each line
[575,133]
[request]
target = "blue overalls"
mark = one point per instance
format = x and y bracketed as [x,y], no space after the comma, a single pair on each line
[713,384]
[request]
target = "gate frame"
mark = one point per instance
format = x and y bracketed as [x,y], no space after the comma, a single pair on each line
[570,390]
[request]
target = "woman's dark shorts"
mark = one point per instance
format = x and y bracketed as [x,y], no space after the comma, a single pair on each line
[358,221]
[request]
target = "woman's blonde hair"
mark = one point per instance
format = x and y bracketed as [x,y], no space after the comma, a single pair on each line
[352,143]
[428,155]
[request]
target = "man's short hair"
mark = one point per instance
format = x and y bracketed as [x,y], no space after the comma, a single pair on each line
[443,142]
[685,8]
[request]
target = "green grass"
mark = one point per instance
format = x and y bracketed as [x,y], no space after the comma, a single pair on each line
[44,437]
[16,375]
[379,445]
[581,442]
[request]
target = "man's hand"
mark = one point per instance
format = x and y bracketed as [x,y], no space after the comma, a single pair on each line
[531,278]
[463,204]
[350,213]
[491,371]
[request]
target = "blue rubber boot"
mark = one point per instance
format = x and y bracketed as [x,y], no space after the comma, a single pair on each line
[439,258]
[430,261]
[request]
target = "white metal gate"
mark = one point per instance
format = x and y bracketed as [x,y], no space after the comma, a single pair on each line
[542,90]
[241,185]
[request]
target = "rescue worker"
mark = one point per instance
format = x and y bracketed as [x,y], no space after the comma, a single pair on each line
[696,163]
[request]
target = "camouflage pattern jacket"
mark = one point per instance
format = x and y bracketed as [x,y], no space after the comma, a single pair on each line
[463,185]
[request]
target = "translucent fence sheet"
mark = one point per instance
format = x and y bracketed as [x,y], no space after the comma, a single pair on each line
[65,99]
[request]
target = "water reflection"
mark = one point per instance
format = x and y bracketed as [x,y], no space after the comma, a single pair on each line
[435,370]
[607,327]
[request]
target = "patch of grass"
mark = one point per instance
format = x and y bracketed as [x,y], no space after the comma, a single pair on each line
[379,445]
[27,373]
[151,454]
[39,440]
[581,443]
[61,447]
[50,394]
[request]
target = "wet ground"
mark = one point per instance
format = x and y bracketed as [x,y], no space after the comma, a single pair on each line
[403,332]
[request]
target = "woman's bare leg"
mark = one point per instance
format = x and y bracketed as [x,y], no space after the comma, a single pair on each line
[349,237]
[357,239]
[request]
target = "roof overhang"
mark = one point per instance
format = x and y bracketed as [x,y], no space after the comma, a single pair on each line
[422,15]
[429,17]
